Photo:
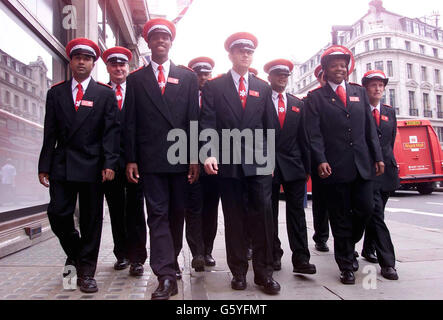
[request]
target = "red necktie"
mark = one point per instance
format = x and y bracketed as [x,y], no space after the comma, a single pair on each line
[341,94]
[161,79]
[79,97]
[242,91]
[119,95]
[281,110]
[376,115]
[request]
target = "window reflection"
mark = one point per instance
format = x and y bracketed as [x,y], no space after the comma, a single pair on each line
[27,70]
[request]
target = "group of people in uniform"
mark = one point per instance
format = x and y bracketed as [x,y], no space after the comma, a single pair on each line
[111,140]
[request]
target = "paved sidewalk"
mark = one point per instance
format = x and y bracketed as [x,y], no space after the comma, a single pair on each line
[35,272]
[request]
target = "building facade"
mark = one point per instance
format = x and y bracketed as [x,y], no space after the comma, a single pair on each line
[32,59]
[409,51]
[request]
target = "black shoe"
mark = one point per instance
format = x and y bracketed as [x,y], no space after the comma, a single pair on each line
[178,274]
[87,284]
[69,271]
[165,289]
[276,264]
[270,286]
[136,269]
[198,263]
[321,246]
[389,273]
[306,268]
[249,254]
[209,260]
[355,264]
[369,256]
[238,283]
[347,277]
[121,264]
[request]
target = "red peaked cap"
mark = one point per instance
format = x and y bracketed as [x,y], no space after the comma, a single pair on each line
[117,54]
[374,74]
[282,65]
[82,46]
[338,51]
[253,70]
[242,39]
[201,64]
[317,71]
[158,25]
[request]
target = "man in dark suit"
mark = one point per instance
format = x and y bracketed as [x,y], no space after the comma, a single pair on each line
[161,97]
[125,200]
[377,237]
[347,152]
[238,101]
[292,166]
[203,195]
[79,153]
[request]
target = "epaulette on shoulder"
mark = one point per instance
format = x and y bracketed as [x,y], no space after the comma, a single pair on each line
[355,84]
[104,84]
[136,69]
[313,90]
[185,67]
[293,96]
[216,77]
[387,105]
[56,84]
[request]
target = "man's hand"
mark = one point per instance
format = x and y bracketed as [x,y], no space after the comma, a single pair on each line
[132,172]
[211,166]
[193,173]
[107,175]
[44,179]
[324,170]
[379,168]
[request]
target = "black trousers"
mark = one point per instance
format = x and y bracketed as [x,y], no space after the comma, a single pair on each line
[319,211]
[63,198]
[295,220]
[211,198]
[247,201]
[165,202]
[350,207]
[125,202]
[377,236]
[194,219]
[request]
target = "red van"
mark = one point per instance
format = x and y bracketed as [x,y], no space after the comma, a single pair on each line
[419,155]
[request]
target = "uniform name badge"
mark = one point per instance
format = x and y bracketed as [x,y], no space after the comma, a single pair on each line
[87,103]
[384,118]
[172,80]
[354,99]
[295,109]
[254,93]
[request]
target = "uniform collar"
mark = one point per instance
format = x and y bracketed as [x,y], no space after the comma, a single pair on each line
[166,66]
[122,85]
[84,84]
[236,77]
[334,85]
[378,107]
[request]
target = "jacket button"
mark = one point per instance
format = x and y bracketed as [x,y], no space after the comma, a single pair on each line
[350,144]
[379,135]
[348,115]
[349,129]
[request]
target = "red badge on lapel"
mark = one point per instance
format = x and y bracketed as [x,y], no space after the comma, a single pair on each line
[354,99]
[254,93]
[295,109]
[384,118]
[87,103]
[172,80]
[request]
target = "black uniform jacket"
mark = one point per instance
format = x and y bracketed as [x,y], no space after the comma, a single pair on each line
[222,110]
[387,132]
[78,145]
[292,149]
[150,116]
[345,137]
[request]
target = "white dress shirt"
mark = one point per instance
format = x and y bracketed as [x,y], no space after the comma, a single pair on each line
[236,78]
[376,107]
[84,84]
[166,67]
[275,100]
[123,90]
[334,85]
